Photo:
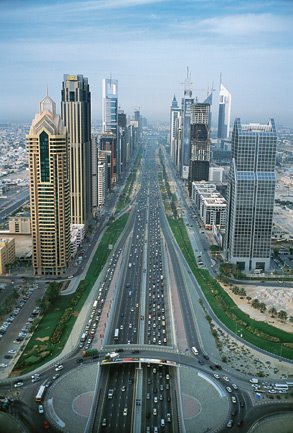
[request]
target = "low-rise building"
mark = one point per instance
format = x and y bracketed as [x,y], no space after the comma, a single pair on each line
[77,236]
[19,224]
[210,205]
[7,254]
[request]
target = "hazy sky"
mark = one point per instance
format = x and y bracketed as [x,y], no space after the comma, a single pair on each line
[147,45]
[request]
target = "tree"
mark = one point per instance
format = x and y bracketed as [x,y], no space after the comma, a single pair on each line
[273,312]
[255,304]
[262,307]
[282,315]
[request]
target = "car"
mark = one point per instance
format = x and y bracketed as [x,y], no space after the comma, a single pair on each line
[3,365]
[228,389]
[148,429]
[234,386]
[240,422]
[59,367]
[216,376]
[226,378]
[55,376]
[104,422]
[41,409]
[12,351]
[48,383]
[162,422]
[18,384]
[46,425]
[148,396]
[155,411]
[233,399]
[168,416]
[161,397]
[123,388]
[230,423]
[125,410]
[206,357]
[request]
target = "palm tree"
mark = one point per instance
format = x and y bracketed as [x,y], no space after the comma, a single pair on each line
[255,303]
[262,307]
[273,312]
[282,315]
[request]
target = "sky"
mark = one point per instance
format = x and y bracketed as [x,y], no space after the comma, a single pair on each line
[147,46]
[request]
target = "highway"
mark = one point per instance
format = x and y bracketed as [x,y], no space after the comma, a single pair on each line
[18,200]
[131,323]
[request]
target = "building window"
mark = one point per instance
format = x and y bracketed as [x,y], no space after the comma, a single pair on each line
[44,157]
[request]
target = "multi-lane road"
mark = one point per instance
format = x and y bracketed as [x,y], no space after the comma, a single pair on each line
[132,317]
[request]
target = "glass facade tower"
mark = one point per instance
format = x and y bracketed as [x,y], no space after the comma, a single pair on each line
[76,115]
[251,193]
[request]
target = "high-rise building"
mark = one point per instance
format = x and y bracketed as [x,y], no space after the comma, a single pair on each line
[199,143]
[49,191]
[174,114]
[110,120]
[187,101]
[122,125]
[251,192]
[76,115]
[224,113]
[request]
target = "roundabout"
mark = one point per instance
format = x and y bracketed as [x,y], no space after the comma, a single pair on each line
[202,401]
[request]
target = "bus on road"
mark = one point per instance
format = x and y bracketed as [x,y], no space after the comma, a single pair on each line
[116,334]
[40,395]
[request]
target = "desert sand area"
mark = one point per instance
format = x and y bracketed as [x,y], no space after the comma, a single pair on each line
[242,358]
[281,298]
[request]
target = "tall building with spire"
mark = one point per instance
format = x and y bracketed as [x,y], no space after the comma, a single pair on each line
[47,146]
[251,194]
[187,101]
[174,114]
[224,113]
[110,120]
[76,115]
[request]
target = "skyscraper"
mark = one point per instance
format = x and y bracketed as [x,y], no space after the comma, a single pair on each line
[49,191]
[224,113]
[76,114]
[187,101]
[251,193]
[174,114]
[110,119]
[199,143]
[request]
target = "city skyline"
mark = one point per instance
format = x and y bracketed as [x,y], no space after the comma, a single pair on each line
[147,45]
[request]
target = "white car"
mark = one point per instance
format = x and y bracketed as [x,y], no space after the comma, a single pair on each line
[3,365]
[41,409]
[59,367]
[18,384]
